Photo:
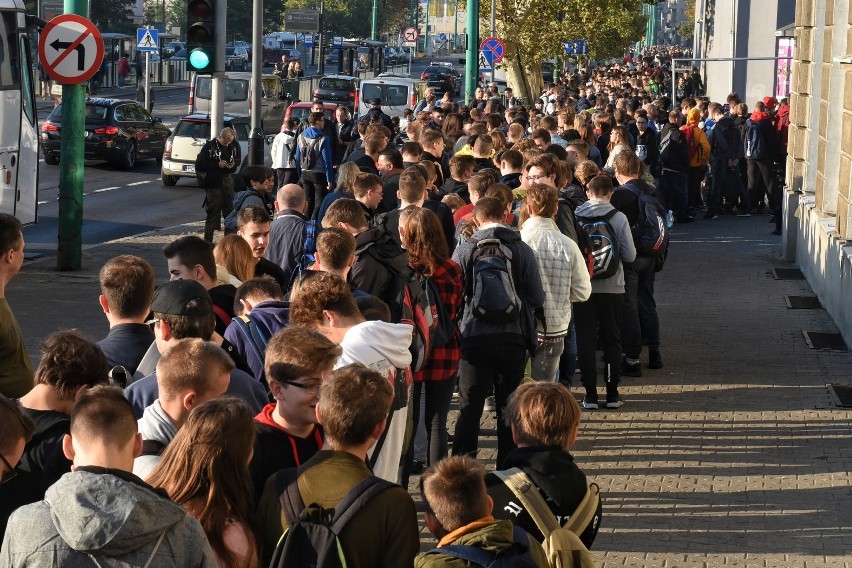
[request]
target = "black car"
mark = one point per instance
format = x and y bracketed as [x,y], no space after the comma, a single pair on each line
[341,89]
[119,131]
[442,78]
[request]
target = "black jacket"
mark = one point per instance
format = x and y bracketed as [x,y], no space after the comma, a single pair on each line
[207,161]
[390,186]
[457,187]
[377,258]
[556,476]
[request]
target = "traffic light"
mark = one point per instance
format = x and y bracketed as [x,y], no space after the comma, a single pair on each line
[201,35]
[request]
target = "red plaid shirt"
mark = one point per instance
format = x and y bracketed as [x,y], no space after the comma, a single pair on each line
[444,360]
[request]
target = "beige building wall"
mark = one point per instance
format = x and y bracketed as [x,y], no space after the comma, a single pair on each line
[818,216]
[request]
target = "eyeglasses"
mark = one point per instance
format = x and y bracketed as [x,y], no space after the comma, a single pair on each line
[10,473]
[153,321]
[536,178]
[309,388]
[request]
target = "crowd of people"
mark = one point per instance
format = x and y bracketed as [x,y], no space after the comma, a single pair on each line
[276,395]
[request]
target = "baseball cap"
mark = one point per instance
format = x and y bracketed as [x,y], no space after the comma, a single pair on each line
[769,102]
[182,298]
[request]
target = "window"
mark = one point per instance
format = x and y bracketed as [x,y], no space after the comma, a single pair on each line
[371,91]
[235,89]
[397,95]
[27,94]
[192,129]
[243,130]
[10,64]
[335,84]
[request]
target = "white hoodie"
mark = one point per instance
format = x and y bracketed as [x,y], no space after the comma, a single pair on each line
[383,347]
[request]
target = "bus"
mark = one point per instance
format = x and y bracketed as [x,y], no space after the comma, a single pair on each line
[18,122]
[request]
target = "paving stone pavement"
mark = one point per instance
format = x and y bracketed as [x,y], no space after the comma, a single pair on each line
[733,454]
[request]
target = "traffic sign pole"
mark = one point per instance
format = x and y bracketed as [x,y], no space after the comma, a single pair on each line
[70,240]
[471,55]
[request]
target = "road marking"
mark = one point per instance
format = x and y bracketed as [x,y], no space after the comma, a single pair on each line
[138,183]
[43,202]
[105,189]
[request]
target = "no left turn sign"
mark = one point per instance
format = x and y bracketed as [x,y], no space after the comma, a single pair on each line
[71,49]
[410,34]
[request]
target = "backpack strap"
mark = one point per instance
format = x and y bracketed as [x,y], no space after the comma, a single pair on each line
[289,497]
[472,554]
[377,448]
[222,314]
[521,485]
[356,499]
[152,448]
[585,511]
[255,336]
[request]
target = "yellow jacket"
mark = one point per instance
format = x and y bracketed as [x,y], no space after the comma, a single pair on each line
[702,156]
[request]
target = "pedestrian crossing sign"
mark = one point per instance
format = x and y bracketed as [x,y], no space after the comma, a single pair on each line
[484,65]
[147,39]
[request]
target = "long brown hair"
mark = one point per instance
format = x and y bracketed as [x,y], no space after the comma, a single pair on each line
[205,470]
[617,136]
[234,254]
[424,239]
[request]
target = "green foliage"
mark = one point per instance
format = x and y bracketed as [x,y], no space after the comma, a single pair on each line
[353,18]
[113,15]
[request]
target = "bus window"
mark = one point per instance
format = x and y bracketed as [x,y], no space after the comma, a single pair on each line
[9,63]
[27,94]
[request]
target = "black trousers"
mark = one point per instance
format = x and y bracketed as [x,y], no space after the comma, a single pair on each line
[600,315]
[761,181]
[316,188]
[218,203]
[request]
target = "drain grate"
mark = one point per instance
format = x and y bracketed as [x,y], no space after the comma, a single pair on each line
[802,302]
[788,274]
[817,340]
[840,394]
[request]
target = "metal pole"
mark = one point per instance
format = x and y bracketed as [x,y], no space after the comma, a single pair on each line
[147,80]
[373,30]
[493,34]
[217,96]
[426,49]
[321,64]
[70,239]
[256,141]
[471,60]
[456,28]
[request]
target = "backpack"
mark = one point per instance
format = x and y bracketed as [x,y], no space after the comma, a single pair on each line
[445,328]
[312,537]
[755,143]
[562,545]
[651,231]
[674,152]
[603,244]
[516,556]
[492,294]
[310,153]
[239,199]
[308,254]
[566,221]
[257,338]
[691,142]
[417,311]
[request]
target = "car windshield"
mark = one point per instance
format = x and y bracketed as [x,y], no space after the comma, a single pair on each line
[335,84]
[93,112]
[229,51]
[193,129]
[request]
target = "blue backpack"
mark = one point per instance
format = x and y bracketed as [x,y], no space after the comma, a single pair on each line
[308,255]
[755,144]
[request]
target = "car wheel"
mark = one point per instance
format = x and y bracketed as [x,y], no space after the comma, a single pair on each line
[51,159]
[169,180]
[129,158]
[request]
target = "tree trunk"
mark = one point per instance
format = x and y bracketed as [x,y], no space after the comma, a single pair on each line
[522,76]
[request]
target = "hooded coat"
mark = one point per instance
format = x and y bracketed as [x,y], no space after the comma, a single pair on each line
[702,154]
[485,534]
[108,516]
[325,156]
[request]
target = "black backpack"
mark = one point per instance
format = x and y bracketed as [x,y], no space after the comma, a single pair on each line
[491,293]
[604,245]
[674,150]
[309,152]
[312,538]
[568,225]
[651,231]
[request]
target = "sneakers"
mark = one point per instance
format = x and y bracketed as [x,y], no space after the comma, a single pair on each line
[655,360]
[614,401]
[629,369]
[589,403]
[490,404]
[710,216]
[744,214]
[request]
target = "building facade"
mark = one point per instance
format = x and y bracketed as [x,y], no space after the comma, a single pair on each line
[818,216]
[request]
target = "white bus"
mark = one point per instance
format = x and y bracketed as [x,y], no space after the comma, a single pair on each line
[18,123]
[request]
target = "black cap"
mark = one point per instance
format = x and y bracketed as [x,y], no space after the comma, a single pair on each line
[376,101]
[182,298]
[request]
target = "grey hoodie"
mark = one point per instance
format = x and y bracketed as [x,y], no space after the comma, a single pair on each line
[155,425]
[626,248]
[92,519]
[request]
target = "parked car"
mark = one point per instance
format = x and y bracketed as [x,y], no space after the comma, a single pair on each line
[392,56]
[236,59]
[332,57]
[190,134]
[301,110]
[341,89]
[245,45]
[172,48]
[397,91]
[119,131]
[442,77]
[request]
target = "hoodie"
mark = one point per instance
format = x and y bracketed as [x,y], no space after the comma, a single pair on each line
[702,152]
[154,425]
[383,347]
[626,248]
[325,158]
[378,259]
[270,317]
[94,516]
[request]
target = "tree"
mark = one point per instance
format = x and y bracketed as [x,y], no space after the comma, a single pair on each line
[686,29]
[535,30]
[353,18]
[113,15]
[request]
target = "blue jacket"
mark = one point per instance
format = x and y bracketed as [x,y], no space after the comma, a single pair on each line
[325,159]
[271,317]
[475,331]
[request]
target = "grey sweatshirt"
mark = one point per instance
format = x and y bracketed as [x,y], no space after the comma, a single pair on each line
[626,248]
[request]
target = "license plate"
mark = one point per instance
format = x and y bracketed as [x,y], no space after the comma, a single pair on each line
[189,169]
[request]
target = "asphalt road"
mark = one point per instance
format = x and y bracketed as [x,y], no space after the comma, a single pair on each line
[119,203]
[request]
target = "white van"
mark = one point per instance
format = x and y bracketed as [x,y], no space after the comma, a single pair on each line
[238,93]
[396,91]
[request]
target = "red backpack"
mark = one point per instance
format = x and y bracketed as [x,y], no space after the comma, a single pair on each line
[691,143]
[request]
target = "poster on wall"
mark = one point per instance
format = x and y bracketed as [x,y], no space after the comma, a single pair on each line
[783,66]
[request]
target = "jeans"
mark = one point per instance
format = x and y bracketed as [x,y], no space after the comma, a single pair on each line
[545,364]
[316,186]
[673,186]
[500,366]
[601,314]
[640,323]
[568,359]
[219,202]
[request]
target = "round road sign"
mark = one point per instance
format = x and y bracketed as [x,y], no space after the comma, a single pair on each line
[494,49]
[71,49]
[410,34]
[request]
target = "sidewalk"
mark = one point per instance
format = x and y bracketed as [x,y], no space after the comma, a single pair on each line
[732,455]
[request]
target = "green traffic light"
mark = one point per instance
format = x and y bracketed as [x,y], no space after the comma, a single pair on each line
[199,59]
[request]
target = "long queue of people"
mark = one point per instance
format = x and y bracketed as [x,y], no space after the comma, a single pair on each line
[269,404]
